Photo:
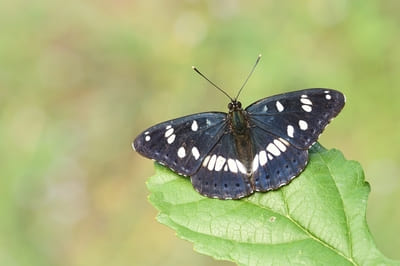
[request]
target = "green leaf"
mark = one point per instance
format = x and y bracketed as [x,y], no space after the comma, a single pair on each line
[319,218]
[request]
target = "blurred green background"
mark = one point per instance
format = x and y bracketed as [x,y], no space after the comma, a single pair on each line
[80,79]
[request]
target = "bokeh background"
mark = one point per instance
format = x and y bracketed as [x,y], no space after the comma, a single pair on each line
[80,79]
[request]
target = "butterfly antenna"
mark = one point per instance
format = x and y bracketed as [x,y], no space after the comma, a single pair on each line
[251,72]
[212,83]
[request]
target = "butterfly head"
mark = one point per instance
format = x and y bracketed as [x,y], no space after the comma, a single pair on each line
[234,106]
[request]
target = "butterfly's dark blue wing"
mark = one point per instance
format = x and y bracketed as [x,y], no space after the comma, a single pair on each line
[298,117]
[182,143]
[276,162]
[223,174]
[230,158]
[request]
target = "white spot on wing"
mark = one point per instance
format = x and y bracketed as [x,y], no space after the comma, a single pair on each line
[290,131]
[171,139]
[328,97]
[146,133]
[211,163]
[280,145]
[273,149]
[270,156]
[263,157]
[133,146]
[265,109]
[195,153]
[205,162]
[303,125]
[181,152]
[195,126]
[241,167]
[306,108]
[279,106]
[255,163]
[232,166]
[169,132]
[327,91]
[168,127]
[304,96]
[226,167]
[284,141]
[147,138]
[219,163]
[305,101]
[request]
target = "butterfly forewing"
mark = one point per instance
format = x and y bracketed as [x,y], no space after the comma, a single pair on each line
[299,117]
[183,143]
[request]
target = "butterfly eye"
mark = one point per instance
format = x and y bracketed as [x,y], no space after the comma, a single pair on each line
[230,106]
[239,105]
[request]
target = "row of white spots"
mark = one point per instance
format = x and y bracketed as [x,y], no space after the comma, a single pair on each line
[306,103]
[273,149]
[217,163]
[327,95]
[170,130]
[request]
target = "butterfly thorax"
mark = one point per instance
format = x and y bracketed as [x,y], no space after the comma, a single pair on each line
[237,118]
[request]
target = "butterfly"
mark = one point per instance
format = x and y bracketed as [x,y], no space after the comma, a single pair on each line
[259,148]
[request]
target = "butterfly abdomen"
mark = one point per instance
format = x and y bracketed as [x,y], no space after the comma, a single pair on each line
[245,151]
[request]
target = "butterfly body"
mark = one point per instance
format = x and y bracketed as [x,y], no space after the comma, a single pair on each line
[232,155]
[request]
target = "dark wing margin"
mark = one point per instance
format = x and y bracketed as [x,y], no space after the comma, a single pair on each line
[182,144]
[298,117]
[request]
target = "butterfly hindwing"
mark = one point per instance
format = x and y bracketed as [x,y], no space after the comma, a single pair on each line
[299,117]
[276,161]
[223,173]
[182,143]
